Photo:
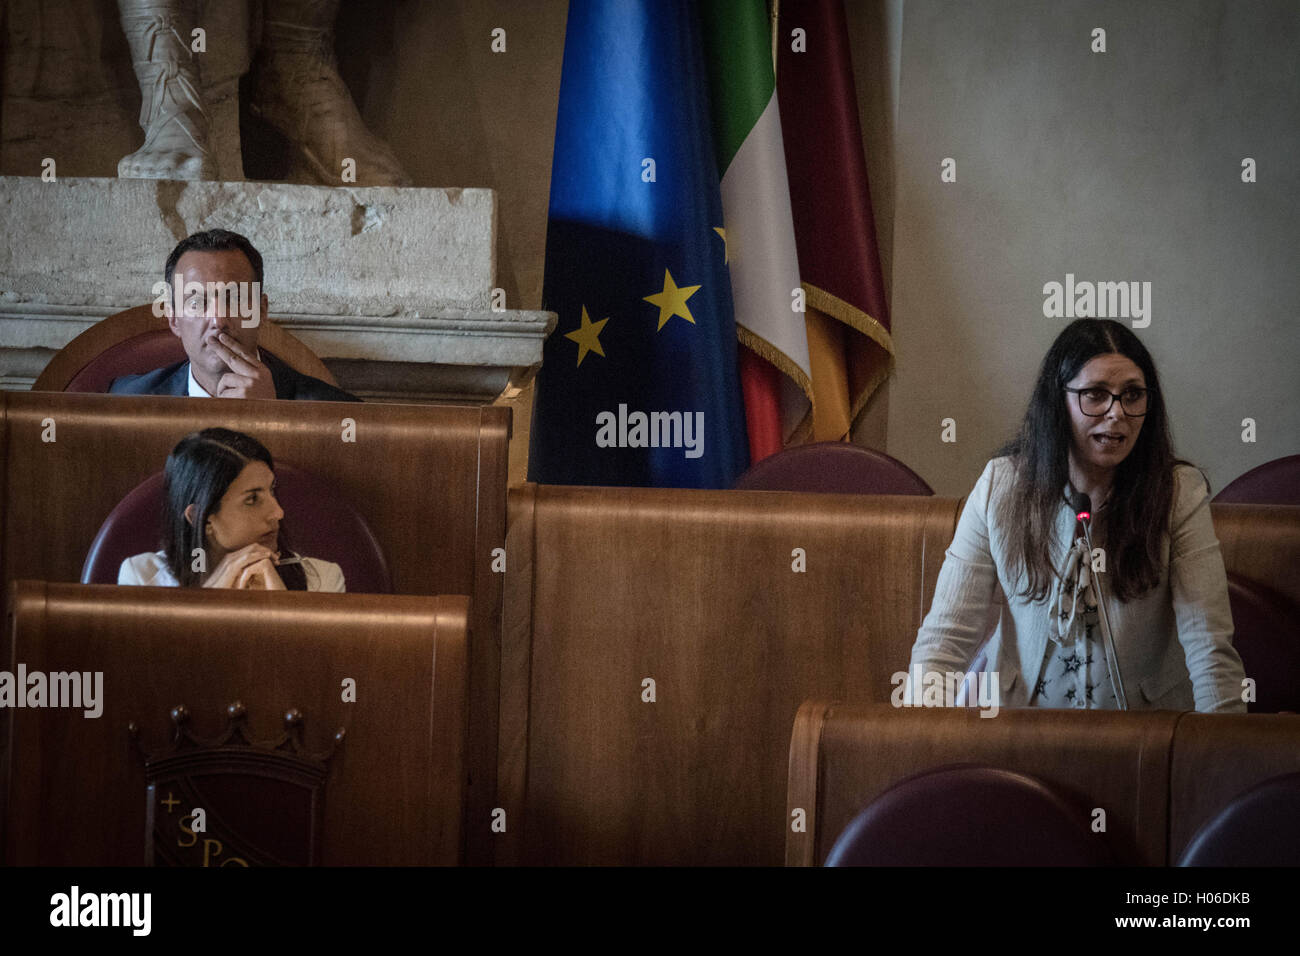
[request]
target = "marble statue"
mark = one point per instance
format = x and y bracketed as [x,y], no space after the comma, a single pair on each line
[295,88]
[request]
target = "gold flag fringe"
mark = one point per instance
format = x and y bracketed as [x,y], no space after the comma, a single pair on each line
[859,321]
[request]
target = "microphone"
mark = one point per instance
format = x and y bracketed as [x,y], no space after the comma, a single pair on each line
[1082,506]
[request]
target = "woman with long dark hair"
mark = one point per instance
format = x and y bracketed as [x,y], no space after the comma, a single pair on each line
[1096,425]
[222,527]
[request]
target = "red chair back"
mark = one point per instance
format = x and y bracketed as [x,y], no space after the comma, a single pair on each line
[969,816]
[135,340]
[1275,482]
[833,467]
[1267,636]
[320,523]
[1259,828]
[143,353]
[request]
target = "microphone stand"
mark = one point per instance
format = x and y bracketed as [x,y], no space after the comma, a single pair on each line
[1082,506]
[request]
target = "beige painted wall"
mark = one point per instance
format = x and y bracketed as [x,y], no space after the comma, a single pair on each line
[1123,165]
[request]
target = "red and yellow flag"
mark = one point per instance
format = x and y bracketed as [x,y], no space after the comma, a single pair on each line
[847,321]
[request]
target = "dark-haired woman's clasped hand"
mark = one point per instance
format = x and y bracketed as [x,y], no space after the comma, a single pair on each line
[251,567]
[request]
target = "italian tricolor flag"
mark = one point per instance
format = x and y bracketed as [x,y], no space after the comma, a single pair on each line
[758,229]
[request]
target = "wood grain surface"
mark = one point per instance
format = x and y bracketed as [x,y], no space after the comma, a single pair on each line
[395,787]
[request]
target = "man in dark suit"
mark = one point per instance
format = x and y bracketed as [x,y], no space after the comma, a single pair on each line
[215,306]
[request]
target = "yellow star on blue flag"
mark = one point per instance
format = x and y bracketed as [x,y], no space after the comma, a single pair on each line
[672,300]
[587,335]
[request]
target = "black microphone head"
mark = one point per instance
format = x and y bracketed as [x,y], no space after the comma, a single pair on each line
[1082,505]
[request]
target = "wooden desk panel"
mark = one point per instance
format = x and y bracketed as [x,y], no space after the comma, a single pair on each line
[696,590]
[844,756]
[395,786]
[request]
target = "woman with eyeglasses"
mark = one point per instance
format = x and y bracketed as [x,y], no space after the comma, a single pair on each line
[222,525]
[1096,425]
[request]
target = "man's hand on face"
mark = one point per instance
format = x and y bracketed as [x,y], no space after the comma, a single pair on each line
[247,378]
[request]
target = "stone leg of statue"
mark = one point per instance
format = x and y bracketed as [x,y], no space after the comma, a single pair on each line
[172,114]
[296,88]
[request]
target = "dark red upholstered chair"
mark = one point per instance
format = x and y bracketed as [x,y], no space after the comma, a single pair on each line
[833,467]
[1275,482]
[143,353]
[1266,633]
[320,523]
[135,341]
[1259,828]
[970,816]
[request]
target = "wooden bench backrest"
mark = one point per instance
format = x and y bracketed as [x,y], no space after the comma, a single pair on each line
[844,756]
[696,590]
[394,790]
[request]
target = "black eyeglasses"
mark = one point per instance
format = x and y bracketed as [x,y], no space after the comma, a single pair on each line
[1096,402]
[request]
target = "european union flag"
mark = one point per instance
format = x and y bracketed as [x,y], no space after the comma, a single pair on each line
[638,384]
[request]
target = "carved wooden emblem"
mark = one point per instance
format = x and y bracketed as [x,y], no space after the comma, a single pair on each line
[232,801]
